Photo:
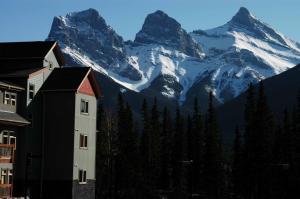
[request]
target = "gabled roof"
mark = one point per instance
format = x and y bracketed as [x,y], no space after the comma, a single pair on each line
[70,79]
[21,50]
[14,54]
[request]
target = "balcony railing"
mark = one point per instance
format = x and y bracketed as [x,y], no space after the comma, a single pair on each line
[6,190]
[7,153]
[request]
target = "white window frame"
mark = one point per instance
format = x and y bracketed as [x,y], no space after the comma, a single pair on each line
[15,142]
[84,106]
[10,98]
[82,177]
[10,176]
[3,176]
[9,135]
[83,141]
[6,98]
[6,176]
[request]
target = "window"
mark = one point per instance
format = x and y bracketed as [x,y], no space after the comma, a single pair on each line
[3,176]
[10,98]
[31,91]
[8,137]
[7,98]
[5,139]
[13,100]
[84,106]
[82,176]
[6,176]
[83,141]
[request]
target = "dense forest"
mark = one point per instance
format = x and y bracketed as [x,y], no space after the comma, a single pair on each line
[181,155]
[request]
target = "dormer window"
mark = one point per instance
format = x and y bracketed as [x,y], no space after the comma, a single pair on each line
[10,98]
[31,91]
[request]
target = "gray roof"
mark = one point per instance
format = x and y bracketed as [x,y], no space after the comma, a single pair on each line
[20,73]
[12,118]
[5,84]
[70,79]
[24,55]
[18,50]
[65,79]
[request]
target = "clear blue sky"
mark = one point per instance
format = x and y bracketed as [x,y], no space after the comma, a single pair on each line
[31,19]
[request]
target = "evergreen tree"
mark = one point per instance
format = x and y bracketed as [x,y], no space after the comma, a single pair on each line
[127,158]
[262,150]
[237,168]
[249,142]
[147,183]
[196,151]
[155,143]
[180,162]
[166,152]
[294,169]
[105,148]
[190,177]
[213,163]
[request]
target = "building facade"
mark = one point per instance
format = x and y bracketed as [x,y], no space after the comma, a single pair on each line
[57,149]
[11,127]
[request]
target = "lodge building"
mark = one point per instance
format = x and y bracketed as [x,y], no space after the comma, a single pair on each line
[48,116]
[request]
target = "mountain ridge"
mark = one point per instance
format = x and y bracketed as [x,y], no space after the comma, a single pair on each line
[166,61]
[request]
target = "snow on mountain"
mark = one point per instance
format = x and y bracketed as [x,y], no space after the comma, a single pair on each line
[165,60]
[154,60]
[245,50]
[87,33]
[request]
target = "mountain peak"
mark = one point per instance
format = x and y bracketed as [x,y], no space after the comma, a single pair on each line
[159,24]
[159,28]
[90,16]
[243,17]
[86,31]
[159,13]
[91,12]
[243,12]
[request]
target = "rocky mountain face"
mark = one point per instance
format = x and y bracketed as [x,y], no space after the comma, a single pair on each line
[163,30]
[244,50]
[85,35]
[166,61]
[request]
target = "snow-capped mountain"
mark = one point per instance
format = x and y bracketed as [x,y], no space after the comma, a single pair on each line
[86,39]
[165,60]
[245,50]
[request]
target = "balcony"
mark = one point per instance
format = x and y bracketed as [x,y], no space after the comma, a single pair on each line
[7,153]
[6,190]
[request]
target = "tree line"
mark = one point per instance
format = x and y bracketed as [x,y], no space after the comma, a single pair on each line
[180,156]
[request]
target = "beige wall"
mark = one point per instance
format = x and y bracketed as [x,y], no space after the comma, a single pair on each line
[85,124]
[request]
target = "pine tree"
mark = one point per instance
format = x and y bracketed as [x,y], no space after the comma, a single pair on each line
[147,182]
[127,158]
[264,139]
[237,168]
[213,162]
[249,143]
[166,152]
[155,143]
[179,160]
[190,155]
[196,151]
[294,171]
